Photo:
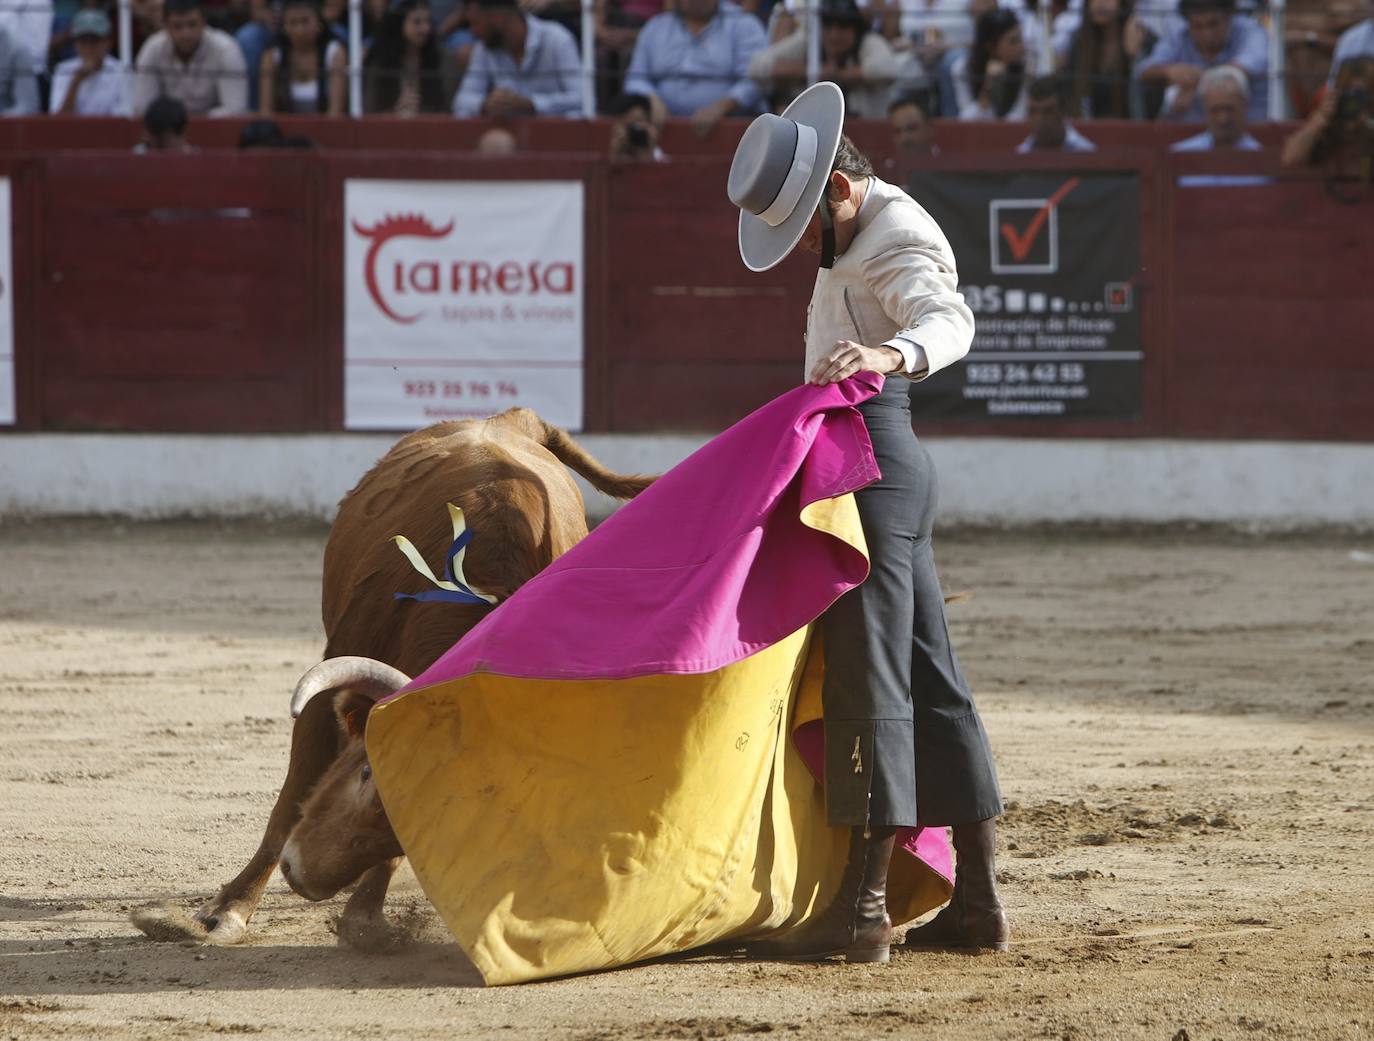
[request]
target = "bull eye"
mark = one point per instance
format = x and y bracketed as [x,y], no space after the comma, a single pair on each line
[367,772]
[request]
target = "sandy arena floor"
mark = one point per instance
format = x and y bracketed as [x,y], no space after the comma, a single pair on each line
[1185,728]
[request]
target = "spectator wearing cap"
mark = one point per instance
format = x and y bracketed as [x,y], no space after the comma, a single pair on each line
[92,83]
[164,127]
[861,63]
[1225,94]
[520,65]
[18,84]
[201,67]
[1047,117]
[1212,35]
[694,62]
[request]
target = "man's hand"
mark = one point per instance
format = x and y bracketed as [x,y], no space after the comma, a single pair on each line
[705,118]
[848,357]
[1185,77]
[502,103]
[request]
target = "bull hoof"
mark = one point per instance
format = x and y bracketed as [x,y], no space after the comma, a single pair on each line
[221,927]
[373,935]
[167,923]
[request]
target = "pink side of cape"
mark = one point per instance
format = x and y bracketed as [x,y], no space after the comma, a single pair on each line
[708,566]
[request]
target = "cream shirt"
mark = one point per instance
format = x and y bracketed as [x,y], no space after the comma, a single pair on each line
[895,286]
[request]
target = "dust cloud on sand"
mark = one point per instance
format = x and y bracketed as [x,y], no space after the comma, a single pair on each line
[1184,724]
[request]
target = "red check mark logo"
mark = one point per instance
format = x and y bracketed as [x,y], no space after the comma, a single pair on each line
[1021,242]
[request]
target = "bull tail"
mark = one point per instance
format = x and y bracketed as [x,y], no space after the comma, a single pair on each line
[580,461]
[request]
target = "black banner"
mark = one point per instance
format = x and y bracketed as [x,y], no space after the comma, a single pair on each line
[1049,265]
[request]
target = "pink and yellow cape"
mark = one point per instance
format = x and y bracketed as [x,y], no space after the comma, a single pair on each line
[613,765]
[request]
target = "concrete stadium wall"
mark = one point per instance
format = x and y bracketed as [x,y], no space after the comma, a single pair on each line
[987,480]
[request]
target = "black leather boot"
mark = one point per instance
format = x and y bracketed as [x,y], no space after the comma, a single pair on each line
[855,925]
[973,920]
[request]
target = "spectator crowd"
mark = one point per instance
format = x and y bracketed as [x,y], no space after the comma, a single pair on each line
[1044,62]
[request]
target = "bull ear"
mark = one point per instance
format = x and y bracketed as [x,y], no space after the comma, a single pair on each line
[351,709]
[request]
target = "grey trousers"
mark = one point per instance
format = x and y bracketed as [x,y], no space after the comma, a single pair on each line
[903,741]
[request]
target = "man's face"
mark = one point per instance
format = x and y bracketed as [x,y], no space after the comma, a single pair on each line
[1209,31]
[837,39]
[486,25]
[911,131]
[698,10]
[1046,119]
[92,50]
[1224,110]
[186,28]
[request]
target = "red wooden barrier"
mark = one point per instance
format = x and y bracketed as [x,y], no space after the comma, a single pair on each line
[204,293]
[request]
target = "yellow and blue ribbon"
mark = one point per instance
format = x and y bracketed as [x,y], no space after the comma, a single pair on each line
[453,587]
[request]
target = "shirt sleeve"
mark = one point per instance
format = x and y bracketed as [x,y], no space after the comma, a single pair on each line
[233,81]
[1164,52]
[23,83]
[475,86]
[638,78]
[747,39]
[918,287]
[61,83]
[565,96]
[1252,52]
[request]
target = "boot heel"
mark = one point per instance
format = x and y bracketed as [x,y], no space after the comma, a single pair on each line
[869,955]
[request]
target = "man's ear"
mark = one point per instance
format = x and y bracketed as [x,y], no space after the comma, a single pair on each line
[351,709]
[840,188]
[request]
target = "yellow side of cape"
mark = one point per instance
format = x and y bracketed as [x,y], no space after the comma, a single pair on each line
[562,826]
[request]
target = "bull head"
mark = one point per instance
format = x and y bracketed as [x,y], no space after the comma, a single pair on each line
[343,829]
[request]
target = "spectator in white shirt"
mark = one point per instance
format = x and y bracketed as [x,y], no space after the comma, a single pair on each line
[92,83]
[201,67]
[18,85]
[29,23]
[1225,95]
[1047,117]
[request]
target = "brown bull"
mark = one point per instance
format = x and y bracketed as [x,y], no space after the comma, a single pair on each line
[508,475]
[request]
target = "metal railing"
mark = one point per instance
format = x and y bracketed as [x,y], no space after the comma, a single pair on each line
[807,13]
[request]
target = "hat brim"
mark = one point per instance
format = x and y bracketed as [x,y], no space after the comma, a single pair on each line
[763,246]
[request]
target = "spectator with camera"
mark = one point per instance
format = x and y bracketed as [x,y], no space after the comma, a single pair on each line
[991,82]
[1340,133]
[520,65]
[1212,35]
[307,70]
[197,65]
[1047,117]
[634,137]
[860,62]
[407,72]
[694,62]
[92,83]
[1101,63]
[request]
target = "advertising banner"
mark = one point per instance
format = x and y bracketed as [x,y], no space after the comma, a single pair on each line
[7,416]
[1049,263]
[461,299]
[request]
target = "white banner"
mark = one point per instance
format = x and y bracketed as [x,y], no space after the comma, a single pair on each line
[461,299]
[7,417]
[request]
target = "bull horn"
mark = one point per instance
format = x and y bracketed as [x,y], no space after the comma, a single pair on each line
[367,676]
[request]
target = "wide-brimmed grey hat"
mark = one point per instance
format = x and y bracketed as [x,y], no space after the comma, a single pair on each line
[780,170]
